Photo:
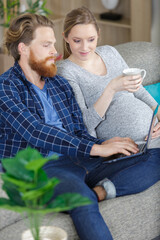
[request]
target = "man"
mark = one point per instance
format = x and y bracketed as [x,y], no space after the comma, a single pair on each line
[38,109]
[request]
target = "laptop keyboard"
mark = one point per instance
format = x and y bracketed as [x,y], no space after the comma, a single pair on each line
[141,147]
[114,157]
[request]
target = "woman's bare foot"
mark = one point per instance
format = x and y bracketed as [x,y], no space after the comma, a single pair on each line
[101,193]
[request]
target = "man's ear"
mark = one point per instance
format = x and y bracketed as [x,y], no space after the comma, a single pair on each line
[22,48]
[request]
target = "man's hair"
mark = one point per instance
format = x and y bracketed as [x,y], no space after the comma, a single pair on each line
[80,15]
[22,29]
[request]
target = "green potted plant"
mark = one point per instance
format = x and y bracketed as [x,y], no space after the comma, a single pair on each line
[11,8]
[30,191]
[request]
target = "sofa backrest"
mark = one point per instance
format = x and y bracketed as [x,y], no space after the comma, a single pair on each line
[142,55]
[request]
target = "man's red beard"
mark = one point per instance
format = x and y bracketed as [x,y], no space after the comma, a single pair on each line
[41,67]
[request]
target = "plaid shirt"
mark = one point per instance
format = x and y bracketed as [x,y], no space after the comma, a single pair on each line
[22,120]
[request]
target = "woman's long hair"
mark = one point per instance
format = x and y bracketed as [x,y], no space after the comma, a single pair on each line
[77,16]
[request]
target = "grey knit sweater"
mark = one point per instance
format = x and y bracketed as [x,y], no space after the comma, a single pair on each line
[128,115]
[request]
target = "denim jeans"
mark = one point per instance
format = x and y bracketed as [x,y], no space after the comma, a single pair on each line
[130,176]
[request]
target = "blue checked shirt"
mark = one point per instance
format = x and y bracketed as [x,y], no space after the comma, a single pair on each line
[22,121]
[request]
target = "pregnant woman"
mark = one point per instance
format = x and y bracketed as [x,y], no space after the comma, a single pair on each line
[112,104]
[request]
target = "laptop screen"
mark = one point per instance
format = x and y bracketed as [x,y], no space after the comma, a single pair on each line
[152,125]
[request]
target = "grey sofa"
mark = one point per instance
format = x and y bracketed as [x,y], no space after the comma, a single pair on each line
[134,217]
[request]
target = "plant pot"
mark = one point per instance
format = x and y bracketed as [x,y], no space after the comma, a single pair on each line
[47,233]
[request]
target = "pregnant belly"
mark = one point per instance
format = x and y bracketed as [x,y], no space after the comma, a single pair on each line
[126,117]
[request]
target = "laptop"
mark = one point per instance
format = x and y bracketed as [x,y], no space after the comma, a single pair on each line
[143,145]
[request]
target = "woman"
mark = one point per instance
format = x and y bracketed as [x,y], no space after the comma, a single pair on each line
[112,104]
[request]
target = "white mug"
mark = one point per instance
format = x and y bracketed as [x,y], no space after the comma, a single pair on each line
[134,71]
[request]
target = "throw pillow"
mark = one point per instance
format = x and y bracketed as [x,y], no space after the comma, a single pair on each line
[154,90]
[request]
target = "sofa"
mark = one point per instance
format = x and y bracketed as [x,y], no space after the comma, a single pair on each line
[133,217]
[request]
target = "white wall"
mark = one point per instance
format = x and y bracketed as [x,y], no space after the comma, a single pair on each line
[155,30]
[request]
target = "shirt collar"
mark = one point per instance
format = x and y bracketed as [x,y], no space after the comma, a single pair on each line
[20,73]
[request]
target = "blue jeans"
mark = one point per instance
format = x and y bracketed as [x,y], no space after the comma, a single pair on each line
[129,176]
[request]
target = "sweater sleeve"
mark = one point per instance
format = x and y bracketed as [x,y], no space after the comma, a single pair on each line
[90,116]
[76,76]
[143,95]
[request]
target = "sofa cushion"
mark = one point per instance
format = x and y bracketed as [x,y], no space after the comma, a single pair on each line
[154,90]
[142,55]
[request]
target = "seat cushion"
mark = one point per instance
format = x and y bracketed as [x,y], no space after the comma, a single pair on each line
[154,90]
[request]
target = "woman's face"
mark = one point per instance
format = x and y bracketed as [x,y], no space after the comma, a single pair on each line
[82,40]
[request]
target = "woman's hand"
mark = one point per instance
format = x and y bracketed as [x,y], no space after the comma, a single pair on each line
[156,131]
[121,83]
[126,83]
[114,146]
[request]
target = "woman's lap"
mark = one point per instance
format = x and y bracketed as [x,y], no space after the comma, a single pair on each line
[130,175]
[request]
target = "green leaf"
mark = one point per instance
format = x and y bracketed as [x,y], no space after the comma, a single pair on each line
[4,201]
[38,163]
[19,183]
[63,202]
[17,169]
[35,4]
[47,11]
[44,3]
[23,157]
[41,179]
[13,194]
[40,192]
[29,2]
[68,201]
[9,205]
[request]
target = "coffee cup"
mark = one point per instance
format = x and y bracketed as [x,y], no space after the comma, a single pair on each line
[134,71]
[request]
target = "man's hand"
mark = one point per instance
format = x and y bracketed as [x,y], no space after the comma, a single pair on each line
[114,146]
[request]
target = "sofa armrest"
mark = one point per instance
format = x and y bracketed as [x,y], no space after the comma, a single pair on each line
[142,55]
